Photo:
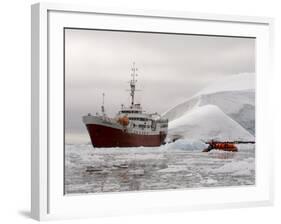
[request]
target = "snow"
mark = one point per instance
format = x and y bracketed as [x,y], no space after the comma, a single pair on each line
[230,100]
[238,105]
[208,123]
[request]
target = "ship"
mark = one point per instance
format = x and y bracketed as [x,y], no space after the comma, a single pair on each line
[131,127]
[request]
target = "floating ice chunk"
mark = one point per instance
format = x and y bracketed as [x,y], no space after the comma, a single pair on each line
[173,168]
[246,172]
[239,167]
[187,144]
[137,172]
[209,181]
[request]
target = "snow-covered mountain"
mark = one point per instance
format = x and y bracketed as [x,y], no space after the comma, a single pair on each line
[223,110]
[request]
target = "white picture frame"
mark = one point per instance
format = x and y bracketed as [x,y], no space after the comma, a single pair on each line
[47,198]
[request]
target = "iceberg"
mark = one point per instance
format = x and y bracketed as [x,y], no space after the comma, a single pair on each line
[224,110]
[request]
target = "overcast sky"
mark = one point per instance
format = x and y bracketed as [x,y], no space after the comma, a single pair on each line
[171,68]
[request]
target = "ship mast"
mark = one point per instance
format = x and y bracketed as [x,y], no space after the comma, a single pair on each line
[133,83]
[102,107]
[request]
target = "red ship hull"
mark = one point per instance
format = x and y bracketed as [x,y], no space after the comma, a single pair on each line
[102,136]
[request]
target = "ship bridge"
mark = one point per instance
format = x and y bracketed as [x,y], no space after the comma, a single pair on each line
[133,109]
